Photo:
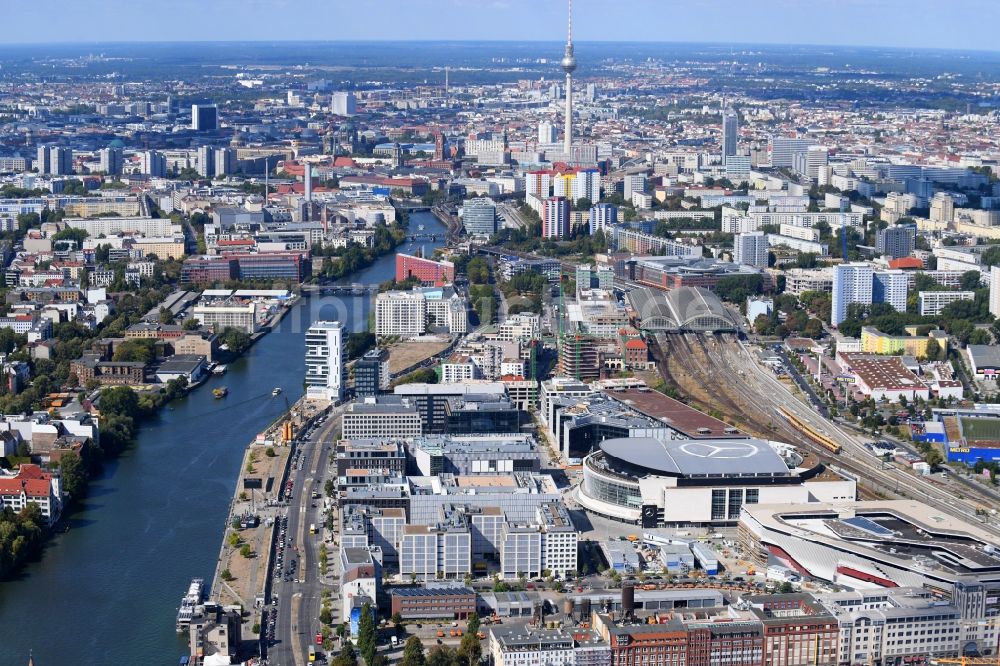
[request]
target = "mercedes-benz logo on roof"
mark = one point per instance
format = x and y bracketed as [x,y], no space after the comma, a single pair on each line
[727,450]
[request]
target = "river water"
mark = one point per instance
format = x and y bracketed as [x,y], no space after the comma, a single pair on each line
[106,592]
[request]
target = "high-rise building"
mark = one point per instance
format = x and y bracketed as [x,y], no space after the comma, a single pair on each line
[602,216]
[344,103]
[995,291]
[204,117]
[591,92]
[400,313]
[895,241]
[371,373]
[206,161]
[890,287]
[325,354]
[111,161]
[60,161]
[569,66]
[479,217]
[555,218]
[811,162]
[153,163]
[547,133]
[634,182]
[730,131]
[587,185]
[852,283]
[538,184]
[225,162]
[942,208]
[750,249]
[42,163]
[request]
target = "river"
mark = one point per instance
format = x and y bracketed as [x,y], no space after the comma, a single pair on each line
[106,592]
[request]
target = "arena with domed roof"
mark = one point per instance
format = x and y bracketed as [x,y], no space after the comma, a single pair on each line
[687,482]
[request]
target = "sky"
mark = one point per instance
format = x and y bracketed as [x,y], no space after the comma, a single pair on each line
[953,24]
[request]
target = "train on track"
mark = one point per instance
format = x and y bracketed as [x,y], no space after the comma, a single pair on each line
[810,432]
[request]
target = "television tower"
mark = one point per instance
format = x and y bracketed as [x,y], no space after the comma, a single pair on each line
[569,66]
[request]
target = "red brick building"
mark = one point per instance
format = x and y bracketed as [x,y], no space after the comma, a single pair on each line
[427,271]
[419,602]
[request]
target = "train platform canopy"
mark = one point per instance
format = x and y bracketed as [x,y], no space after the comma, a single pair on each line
[685,309]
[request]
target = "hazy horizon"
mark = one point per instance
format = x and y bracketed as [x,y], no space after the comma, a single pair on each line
[962,25]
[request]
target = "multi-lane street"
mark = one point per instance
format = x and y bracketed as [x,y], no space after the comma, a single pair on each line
[297,587]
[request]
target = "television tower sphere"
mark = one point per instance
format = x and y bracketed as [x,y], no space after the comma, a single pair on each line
[569,60]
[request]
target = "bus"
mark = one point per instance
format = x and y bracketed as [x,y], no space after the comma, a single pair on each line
[312,653]
[312,528]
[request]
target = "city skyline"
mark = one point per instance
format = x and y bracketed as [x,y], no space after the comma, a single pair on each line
[918,24]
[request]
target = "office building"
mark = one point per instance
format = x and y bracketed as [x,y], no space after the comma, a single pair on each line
[783,150]
[852,283]
[425,603]
[556,218]
[603,216]
[204,117]
[385,418]
[750,249]
[325,356]
[219,316]
[895,241]
[468,455]
[371,373]
[439,550]
[634,182]
[479,217]
[434,401]
[111,161]
[730,132]
[344,103]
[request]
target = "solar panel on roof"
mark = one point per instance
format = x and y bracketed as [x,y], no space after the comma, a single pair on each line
[867,525]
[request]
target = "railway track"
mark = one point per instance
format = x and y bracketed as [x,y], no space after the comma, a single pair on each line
[709,370]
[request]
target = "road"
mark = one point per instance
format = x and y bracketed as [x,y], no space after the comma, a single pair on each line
[298,597]
[512,217]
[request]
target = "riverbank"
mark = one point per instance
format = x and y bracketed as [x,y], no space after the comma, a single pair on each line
[152,519]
